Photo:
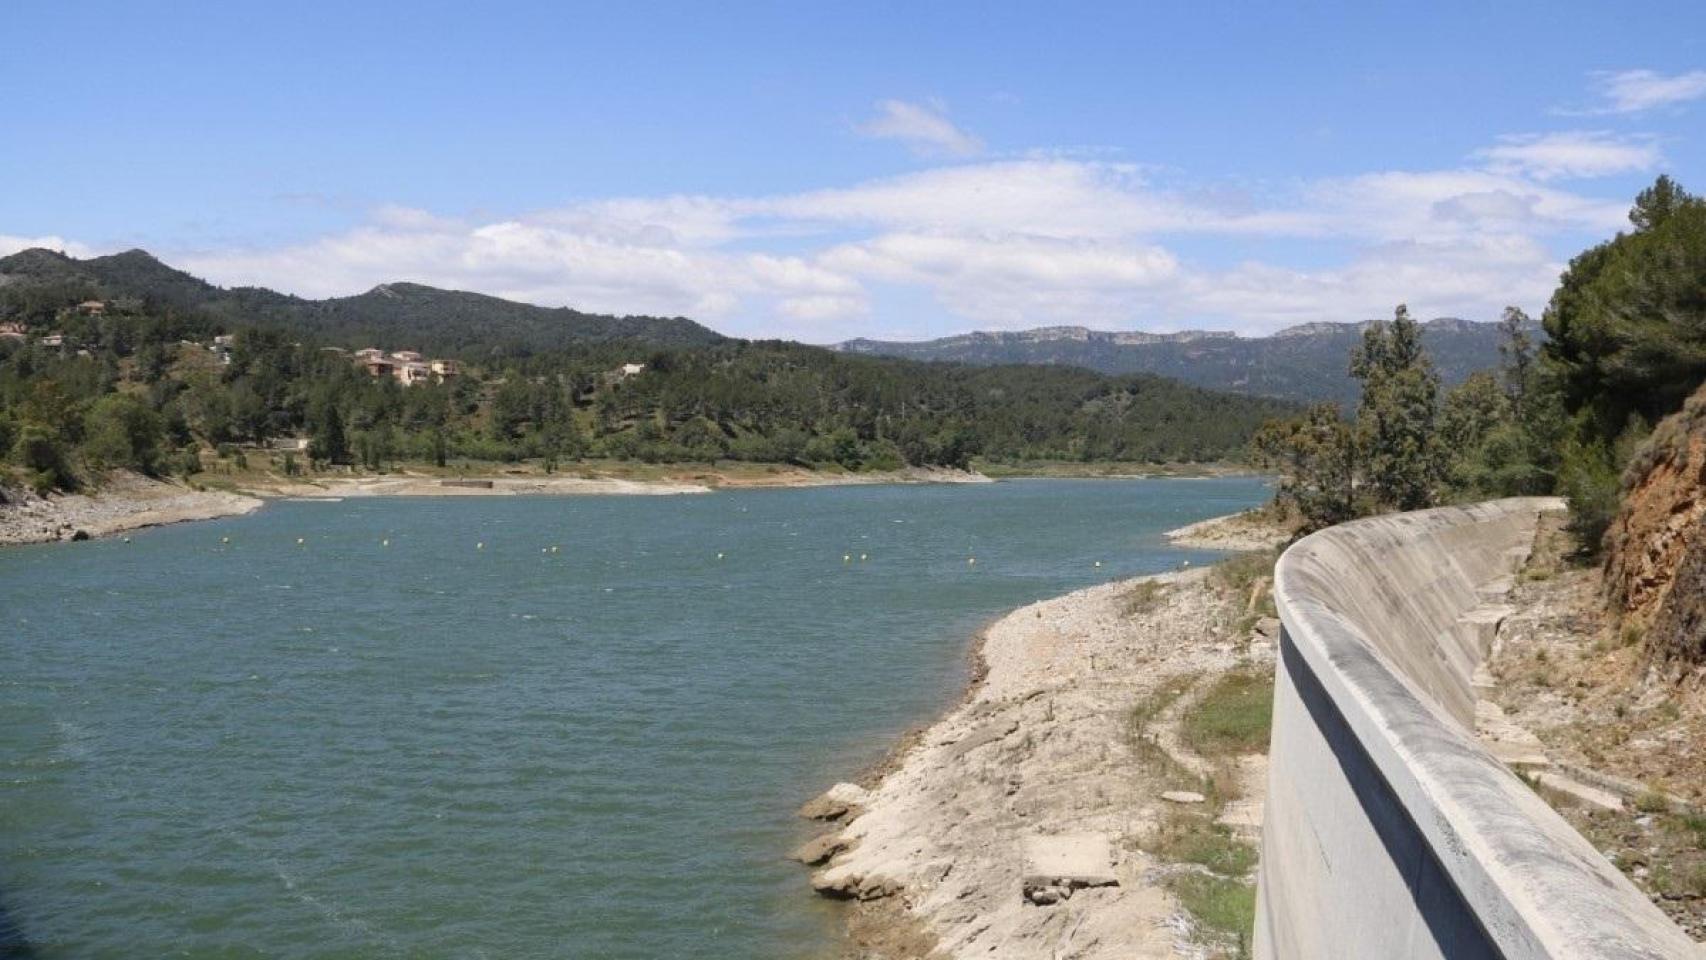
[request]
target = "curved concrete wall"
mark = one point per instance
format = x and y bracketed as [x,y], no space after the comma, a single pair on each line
[1389,832]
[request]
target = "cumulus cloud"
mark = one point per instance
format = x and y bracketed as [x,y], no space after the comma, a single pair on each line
[1632,91]
[924,127]
[1003,243]
[10,244]
[1572,154]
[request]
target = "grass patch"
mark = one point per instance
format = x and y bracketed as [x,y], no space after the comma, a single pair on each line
[1199,840]
[1238,574]
[1224,909]
[1144,596]
[1236,716]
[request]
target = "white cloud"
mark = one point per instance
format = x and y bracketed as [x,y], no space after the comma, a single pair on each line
[1632,91]
[1571,155]
[924,127]
[10,244]
[1001,244]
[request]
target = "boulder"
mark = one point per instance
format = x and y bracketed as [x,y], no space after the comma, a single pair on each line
[819,850]
[836,802]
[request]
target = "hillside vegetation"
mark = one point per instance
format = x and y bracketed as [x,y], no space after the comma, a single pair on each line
[426,318]
[118,367]
[1304,363]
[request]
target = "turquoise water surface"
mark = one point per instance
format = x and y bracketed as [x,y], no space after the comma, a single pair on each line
[350,749]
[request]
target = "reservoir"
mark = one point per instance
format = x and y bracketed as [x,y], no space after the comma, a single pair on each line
[505,727]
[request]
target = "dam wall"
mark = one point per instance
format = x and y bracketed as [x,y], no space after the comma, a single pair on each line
[1389,832]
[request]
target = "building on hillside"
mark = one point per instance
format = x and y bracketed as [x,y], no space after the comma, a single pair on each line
[412,372]
[446,369]
[406,356]
[13,331]
[53,340]
[225,340]
[369,353]
[92,307]
[628,370]
[379,366]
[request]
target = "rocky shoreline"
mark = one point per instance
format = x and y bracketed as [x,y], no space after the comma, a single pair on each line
[1241,532]
[1014,826]
[126,502]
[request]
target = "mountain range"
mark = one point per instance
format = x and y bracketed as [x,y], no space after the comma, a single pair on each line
[1309,362]
[391,315]
[1304,363]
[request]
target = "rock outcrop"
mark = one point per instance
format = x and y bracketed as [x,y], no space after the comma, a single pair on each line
[1655,567]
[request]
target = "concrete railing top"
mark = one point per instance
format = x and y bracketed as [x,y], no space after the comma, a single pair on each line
[1375,610]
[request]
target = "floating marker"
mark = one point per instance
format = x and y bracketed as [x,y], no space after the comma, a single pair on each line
[847,558]
[126,539]
[1098,563]
[719,556]
[1185,564]
[224,539]
[863,557]
[480,546]
[385,543]
[971,559]
[554,549]
[300,541]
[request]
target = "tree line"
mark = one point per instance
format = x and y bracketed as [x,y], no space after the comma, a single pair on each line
[135,385]
[1625,345]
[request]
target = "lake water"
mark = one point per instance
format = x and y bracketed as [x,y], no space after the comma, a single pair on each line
[345,748]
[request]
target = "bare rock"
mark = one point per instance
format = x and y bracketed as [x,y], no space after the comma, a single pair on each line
[1183,796]
[836,802]
[819,850]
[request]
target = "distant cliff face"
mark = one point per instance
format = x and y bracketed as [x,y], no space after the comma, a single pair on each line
[1309,362]
[1656,548]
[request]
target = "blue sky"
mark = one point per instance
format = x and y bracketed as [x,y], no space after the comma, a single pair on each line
[821,172]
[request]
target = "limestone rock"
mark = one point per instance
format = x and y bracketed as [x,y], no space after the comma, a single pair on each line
[1183,796]
[819,850]
[836,802]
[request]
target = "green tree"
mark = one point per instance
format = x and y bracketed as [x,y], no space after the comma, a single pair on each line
[1316,456]
[122,431]
[327,444]
[1396,417]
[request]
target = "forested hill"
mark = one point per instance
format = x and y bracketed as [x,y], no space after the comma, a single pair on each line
[1304,363]
[425,318]
[164,373]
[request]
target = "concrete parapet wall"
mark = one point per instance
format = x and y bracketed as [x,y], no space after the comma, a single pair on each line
[1389,832]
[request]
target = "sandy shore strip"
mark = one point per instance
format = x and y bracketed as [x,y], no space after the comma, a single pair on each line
[1235,531]
[568,484]
[127,502]
[961,848]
